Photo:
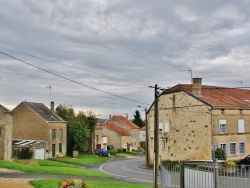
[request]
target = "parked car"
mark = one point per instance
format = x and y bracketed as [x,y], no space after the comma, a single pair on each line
[102,152]
[245,162]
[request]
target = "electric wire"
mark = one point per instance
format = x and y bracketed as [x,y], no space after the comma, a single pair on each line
[79,68]
[65,78]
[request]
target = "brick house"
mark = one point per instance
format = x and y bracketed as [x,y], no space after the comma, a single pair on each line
[195,119]
[36,122]
[6,128]
[122,122]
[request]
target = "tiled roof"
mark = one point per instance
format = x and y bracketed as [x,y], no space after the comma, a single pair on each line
[104,135]
[5,109]
[99,127]
[43,111]
[218,96]
[143,128]
[127,122]
[117,129]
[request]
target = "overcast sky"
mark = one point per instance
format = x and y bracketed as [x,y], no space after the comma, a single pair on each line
[101,55]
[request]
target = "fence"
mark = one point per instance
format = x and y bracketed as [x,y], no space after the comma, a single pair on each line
[200,174]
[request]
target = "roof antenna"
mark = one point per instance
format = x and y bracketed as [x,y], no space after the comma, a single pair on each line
[191,73]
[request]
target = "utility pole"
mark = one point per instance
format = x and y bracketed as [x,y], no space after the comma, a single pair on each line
[156,139]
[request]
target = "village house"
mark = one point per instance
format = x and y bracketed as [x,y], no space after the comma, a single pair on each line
[122,122]
[142,134]
[195,119]
[100,139]
[6,128]
[38,127]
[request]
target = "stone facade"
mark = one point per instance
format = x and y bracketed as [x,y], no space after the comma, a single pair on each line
[30,125]
[194,120]
[133,140]
[6,128]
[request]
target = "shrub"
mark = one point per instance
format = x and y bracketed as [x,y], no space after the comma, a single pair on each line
[220,154]
[112,152]
[120,150]
[124,150]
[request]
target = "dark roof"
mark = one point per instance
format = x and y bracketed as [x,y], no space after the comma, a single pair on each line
[43,111]
[217,96]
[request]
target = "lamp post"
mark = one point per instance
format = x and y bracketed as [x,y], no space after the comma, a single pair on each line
[146,126]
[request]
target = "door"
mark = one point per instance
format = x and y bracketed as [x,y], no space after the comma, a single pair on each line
[40,153]
[53,150]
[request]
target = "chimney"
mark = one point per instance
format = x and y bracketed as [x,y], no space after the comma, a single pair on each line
[126,116]
[109,116]
[52,106]
[197,86]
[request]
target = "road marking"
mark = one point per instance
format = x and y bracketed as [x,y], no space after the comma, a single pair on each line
[101,169]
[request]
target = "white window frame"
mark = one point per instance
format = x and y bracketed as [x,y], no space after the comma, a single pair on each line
[241,126]
[231,148]
[244,144]
[223,122]
[223,144]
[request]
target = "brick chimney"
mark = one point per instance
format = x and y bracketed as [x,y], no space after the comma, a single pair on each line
[52,106]
[197,86]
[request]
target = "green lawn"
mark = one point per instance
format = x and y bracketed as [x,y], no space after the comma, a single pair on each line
[84,159]
[51,167]
[95,184]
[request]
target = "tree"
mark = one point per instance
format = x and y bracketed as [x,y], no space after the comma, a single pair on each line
[137,119]
[79,128]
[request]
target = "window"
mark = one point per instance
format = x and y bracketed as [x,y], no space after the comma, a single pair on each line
[60,134]
[242,148]
[60,148]
[166,128]
[160,126]
[97,138]
[233,148]
[224,147]
[53,133]
[241,125]
[223,126]
[163,144]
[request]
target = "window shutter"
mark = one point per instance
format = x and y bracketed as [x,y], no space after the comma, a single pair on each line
[166,128]
[241,126]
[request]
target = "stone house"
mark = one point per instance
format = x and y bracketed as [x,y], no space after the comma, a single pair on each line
[34,122]
[6,128]
[100,139]
[116,136]
[195,119]
[142,134]
[122,122]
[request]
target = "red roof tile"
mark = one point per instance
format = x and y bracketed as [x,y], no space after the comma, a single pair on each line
[143,128]
[117,129]
[127,122]
[219,96]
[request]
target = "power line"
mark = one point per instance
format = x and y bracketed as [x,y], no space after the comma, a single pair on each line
[79,68]
[71,79]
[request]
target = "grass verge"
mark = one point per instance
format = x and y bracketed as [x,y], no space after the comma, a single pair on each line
[95,184]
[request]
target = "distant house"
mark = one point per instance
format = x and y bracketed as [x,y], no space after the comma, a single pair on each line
[196,119]
[100,139]
[6,127]
[116,136]
[142,134]
[130,127]
[38,127]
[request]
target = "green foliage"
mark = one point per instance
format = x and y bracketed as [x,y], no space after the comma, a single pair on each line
[24,153]
[143,144]
[112,152]
[220,154]
[72,183]
[120,150]
[137,119]
[79,128]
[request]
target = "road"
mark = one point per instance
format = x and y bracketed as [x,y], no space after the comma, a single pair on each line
[130,169]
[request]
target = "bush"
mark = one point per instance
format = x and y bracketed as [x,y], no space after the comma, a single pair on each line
[112,152]
[220,154]
[120,150]
[124,150]
[143,144]
[73,183]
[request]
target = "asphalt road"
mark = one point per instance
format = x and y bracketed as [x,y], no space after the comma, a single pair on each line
[130,170]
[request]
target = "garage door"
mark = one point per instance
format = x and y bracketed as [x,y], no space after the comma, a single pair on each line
[40,153]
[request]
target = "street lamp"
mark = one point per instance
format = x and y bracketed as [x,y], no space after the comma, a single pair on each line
[146,126]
